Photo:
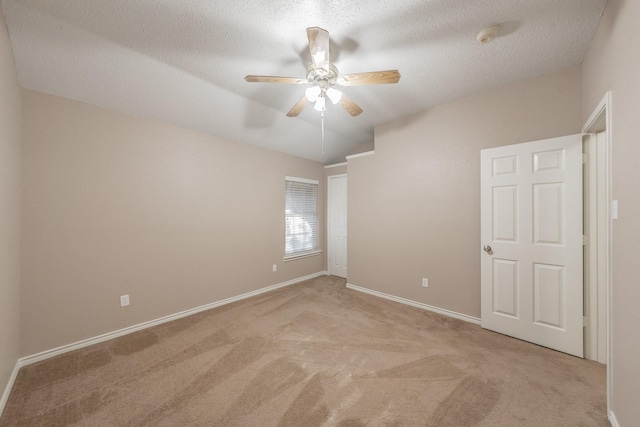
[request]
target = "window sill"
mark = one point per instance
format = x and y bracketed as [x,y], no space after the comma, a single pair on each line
[301,255]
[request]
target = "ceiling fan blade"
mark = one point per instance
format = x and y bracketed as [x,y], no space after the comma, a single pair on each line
[350,106]
[297,109]
[370,78]
[319,47]
[276,79]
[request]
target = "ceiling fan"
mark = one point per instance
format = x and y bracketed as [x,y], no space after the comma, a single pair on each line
[322,75]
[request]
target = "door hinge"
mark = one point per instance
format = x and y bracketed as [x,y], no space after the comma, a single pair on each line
[585,158]
[584,321]
[585,240]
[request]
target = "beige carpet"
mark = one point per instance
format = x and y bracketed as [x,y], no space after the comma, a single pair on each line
[311,354]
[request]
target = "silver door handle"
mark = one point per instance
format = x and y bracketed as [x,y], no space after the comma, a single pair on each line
[487,248]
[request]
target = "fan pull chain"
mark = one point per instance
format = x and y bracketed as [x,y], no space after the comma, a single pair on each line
[322,123]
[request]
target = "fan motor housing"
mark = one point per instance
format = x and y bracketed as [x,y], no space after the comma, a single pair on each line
[321,77]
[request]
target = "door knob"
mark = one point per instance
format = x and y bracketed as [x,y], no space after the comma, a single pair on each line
[487,248]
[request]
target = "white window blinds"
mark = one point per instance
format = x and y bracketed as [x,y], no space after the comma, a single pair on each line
[301,217]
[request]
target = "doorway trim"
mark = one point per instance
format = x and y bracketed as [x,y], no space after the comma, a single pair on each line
[600,121]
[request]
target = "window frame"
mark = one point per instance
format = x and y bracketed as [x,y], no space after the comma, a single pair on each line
[302,253]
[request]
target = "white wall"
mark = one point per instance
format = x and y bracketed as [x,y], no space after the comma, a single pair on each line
[613,63]
[115,204]
[414,206]
[10,118]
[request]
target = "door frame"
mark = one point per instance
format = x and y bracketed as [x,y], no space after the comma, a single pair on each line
[600,121]
[596,220]
[329,252]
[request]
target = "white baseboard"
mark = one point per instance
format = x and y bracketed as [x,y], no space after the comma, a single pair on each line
[27,360]
[613,420]
[7,389]
[427,307]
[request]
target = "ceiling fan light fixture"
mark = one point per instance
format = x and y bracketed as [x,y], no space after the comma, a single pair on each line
[320,104]
[312,93]
[334,95]
[322,75]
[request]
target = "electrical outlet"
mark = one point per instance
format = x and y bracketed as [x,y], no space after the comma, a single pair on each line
[275,268]
[425,282]
[124,300]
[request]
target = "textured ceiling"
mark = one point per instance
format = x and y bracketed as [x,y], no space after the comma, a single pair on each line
[184,61]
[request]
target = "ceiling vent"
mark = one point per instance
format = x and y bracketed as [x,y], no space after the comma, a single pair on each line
[487,35]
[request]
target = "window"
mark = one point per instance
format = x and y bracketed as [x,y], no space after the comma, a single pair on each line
[301,217]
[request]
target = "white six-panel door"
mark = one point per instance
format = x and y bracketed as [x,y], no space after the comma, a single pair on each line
[531,231]
[337,225]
